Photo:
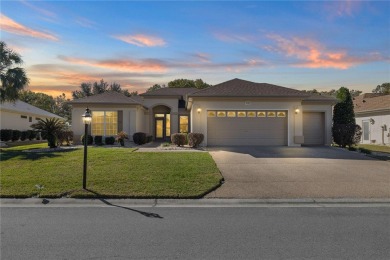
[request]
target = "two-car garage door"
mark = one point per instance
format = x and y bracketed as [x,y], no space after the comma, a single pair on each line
[246,127]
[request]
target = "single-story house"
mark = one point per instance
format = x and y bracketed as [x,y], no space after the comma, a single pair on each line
[235,112]
[20,115]
[372,113]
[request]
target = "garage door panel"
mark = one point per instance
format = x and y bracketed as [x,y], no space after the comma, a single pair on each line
[247,131]
[314,128]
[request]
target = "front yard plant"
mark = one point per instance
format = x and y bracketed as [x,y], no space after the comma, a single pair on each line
[116,172]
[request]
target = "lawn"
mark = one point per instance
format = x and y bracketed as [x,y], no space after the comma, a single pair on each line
[375,148]
[112,172]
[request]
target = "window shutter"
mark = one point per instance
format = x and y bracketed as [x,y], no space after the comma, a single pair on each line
[120,120]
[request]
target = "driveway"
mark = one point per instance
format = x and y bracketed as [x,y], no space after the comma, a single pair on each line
[299,172]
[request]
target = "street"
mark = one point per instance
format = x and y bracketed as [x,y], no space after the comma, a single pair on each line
[119,232]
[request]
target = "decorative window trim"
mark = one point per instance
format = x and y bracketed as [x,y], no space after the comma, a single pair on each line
[261,114]
[241,113]
[231,114]
[271,114]
[281,114]
[251,114]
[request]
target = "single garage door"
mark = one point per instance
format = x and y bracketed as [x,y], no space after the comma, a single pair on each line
[233,127]
[314,128]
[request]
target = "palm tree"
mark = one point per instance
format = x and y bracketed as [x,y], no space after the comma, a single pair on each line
[13,78]
[50,127]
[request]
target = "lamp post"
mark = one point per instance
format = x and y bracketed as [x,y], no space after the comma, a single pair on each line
[87,118]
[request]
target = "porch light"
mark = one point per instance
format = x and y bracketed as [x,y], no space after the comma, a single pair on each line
[199,110]
[87,119]
[297,111]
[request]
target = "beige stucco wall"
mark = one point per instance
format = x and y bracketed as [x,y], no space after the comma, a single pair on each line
[199,120]
[129,117]
[12,120]
[327,109]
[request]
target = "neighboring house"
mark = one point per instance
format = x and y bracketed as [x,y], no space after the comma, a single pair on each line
[372,113]
[19,115]
[235,112]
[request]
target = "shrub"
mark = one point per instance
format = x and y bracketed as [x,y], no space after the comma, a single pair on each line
[65,136]
[15,135]
[98,139]
[346,134]
[6,134]
[23,135]
[50,127]
[149,138]
[139,138]
[364,150]
[351,148]
[178,139]
[109,140]
[195,139]
[31,134]
[89,139]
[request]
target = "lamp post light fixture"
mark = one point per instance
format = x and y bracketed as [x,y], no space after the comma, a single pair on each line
[87,119]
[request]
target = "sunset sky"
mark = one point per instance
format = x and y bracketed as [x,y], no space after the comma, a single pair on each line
[296,44]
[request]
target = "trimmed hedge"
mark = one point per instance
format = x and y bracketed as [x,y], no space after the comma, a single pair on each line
[65,136]
[149,138]
[89,139]
[31,134]
[178,139]
[139,138]
[23,135]
[15,135]
[346,134]
[5,134]
[109,140]
[98,139]
[195,139]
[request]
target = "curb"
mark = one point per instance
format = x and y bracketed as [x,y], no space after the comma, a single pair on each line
[68,202]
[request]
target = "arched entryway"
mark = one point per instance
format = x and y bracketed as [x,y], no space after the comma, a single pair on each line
[161,122]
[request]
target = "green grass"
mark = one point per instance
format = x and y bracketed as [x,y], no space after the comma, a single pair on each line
[375,148]
[112,172]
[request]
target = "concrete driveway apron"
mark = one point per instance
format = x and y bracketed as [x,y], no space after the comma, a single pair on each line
[299,172]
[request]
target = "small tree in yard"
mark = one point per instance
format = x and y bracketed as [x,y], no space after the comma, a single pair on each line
[50,127]
[345,131]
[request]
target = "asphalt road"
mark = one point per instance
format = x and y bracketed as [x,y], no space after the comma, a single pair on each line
[195,233]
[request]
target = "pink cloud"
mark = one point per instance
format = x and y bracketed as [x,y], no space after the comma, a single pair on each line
[9,25]
[203,57]
[342,8]
[39,10]
[312,54]
[141,40]
[127,65]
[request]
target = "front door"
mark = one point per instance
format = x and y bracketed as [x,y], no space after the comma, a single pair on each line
[366,131]
[160,129]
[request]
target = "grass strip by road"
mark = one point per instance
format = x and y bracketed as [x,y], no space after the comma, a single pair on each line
[112,172]
[375,148]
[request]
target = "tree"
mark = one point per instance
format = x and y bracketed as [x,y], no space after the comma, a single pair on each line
[332,92]
[13,78]
[187,83]
[155,87]
[62,107]
[90,89]
[40,100]
[345,131]
[85,91]
[51,127]
[382,89]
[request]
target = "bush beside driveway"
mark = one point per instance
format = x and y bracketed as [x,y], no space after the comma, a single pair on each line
[299,172]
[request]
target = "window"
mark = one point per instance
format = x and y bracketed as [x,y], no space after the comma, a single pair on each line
[231,113]
[221,114]
[23,116]
[30,119]
[260,114]
[281,114]
[241,114]
[211,113]
[37,118]
[183,124]
[168,125]
[104,123]
[251,114]
[271,114]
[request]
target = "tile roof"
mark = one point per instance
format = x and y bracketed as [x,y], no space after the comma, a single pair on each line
[23,107]
[110,97]
[243,88]
[371,102]
[170,92]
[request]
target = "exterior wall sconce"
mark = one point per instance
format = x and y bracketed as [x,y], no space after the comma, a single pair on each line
[372,121]
[199,110]
[297,111]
